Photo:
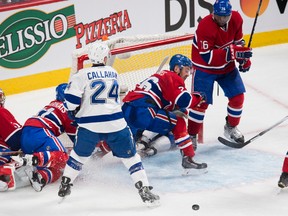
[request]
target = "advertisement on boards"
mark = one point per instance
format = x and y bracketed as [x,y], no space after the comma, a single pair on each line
[39,40]
[130,17]
[27,35]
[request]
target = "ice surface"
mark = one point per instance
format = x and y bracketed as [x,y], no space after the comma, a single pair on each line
[238,181]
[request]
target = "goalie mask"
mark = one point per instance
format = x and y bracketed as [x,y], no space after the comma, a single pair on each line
[99,53]
[2,98]
[179,60]
[60,96]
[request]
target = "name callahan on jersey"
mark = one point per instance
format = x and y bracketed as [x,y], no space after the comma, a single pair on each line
[101,74]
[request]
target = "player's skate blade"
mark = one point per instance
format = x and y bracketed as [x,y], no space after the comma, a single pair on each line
[283,181]
[192,167]
[65,189]
[150,199]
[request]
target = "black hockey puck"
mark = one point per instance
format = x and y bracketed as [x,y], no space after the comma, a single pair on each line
[195,207]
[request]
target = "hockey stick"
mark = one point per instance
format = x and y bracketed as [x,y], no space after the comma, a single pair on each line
[10,153]
[162,64]
[20,152]
[241,145]
[254,24]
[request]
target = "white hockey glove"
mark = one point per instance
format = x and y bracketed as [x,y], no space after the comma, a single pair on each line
[26,160]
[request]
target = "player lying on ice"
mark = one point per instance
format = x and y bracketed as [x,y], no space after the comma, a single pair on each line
[160,104]
[43,155]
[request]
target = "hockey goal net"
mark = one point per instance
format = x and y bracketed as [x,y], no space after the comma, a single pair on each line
[136,58]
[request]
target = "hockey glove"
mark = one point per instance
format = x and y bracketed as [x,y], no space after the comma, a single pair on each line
[238,53]
[244,65]
[198,99]
[72,113]
[26,160]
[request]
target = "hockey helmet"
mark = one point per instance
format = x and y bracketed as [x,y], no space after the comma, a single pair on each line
[222,8]
[60,96]
[2,98]
[179,60]
[98,52]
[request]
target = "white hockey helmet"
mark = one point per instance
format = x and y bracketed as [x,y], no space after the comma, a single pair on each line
[98,52]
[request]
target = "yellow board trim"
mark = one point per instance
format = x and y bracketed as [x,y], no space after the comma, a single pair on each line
[268,38]
[35,81]
[55,77]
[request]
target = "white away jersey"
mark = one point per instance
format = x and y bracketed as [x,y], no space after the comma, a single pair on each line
[96,91]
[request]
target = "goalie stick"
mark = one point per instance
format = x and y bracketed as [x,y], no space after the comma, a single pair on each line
[241,145]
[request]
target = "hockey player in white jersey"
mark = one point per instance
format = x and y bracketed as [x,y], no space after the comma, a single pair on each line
[92,99]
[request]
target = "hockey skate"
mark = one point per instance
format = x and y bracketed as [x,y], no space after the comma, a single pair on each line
[65,187]
[145,149]
[189,165]
[98,153]
[101,150]
[36,179]
[283,181]
[146,195]
[233,133]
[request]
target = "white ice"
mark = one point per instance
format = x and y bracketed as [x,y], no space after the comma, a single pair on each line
[238,182]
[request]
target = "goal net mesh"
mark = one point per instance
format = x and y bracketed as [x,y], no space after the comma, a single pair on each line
[137,57]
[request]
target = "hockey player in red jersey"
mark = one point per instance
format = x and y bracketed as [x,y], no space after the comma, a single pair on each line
[43,151]
[10,128]
[12,175]
[283,181]
[10,135]
[216,50]
[159,104]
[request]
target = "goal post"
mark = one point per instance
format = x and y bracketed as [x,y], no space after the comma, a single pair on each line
[137,57]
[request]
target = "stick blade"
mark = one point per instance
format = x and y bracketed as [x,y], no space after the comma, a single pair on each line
[231,144]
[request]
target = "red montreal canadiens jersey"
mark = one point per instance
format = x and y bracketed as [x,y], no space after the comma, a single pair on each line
[165,88]
[210,40]
[8,124]
[53,117]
